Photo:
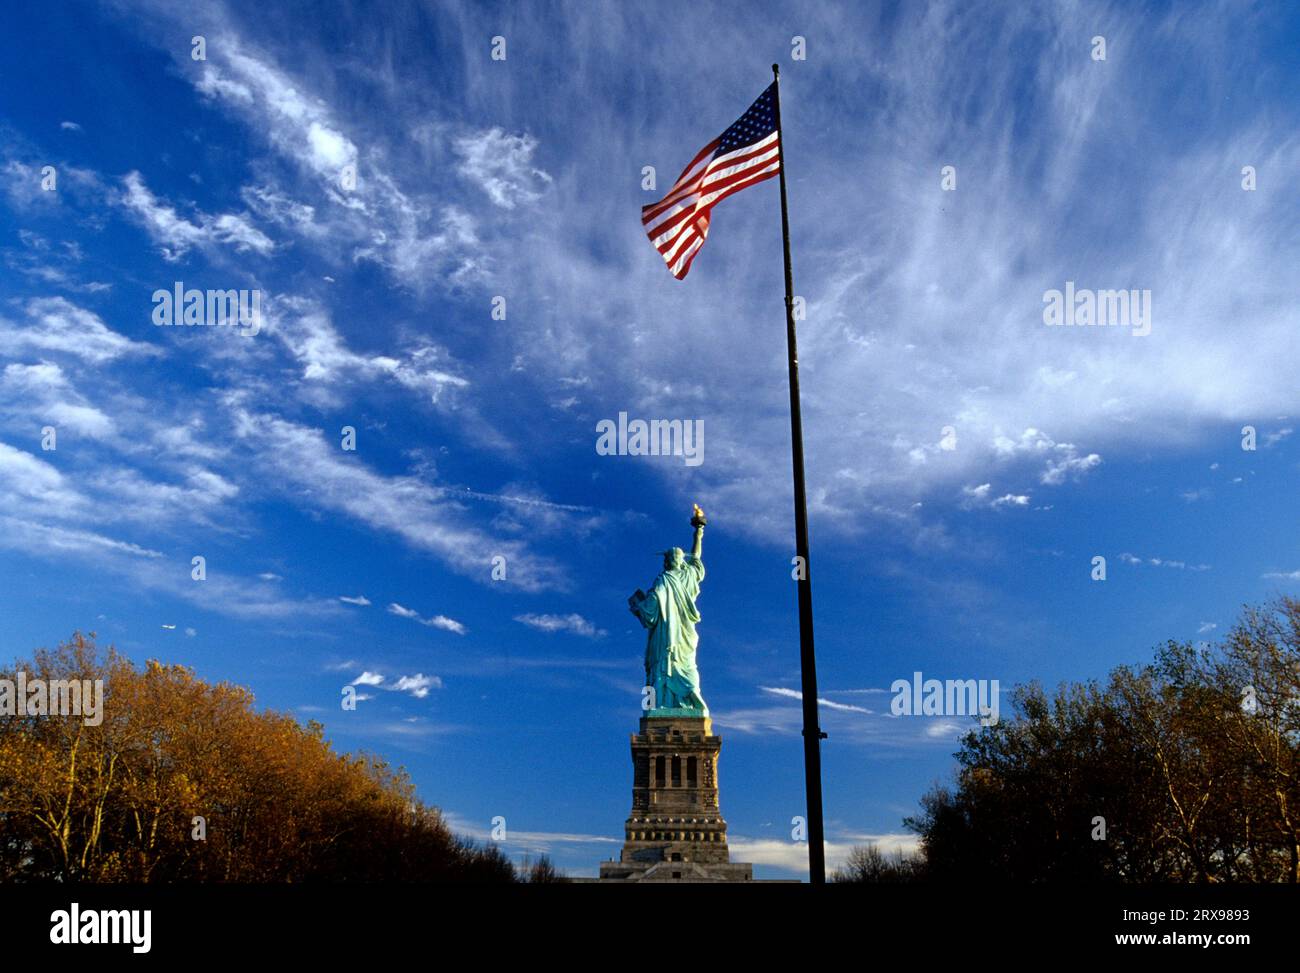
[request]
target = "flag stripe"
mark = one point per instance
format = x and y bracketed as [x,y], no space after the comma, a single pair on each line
[706,203]
[684,186]
[666,221]
[689,175]
[715,188]
[670,251]
[718,168]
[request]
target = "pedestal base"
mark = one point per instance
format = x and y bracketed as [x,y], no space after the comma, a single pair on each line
[670,871]
[675,832]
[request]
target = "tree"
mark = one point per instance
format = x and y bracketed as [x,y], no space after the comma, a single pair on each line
[1184,770]
[186,781]
[868,864]
[544,872]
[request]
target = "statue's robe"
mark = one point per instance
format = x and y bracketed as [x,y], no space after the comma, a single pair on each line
[669,612]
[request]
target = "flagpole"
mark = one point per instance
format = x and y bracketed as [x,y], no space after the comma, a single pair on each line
[812,734]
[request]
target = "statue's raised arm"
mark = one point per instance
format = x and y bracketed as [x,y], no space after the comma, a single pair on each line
[699,523]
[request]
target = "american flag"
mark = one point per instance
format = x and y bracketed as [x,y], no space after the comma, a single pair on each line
[746,153]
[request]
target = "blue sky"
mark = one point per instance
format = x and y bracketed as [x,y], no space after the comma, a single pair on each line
[962,552]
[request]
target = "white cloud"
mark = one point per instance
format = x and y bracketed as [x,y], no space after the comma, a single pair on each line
[1068,466]
[212,84]
[1273,438]
[417,685]
[330,151]
[44,391]
[944,729]
[1062,459]
[981,496]
[501,165]
[33,484]
[361,600]
[828,703]
[1011,500]
[445,623]
[536,842]
[275,206]
[51,539]
[572,623]
[792,856]
[298,124]
[55,325]
[435,621]
[1160,562]
[307,332]
[420,241]
[48,517]
[302,462]
[176,235]
[911,335]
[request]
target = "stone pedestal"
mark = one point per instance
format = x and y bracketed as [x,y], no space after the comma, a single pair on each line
[675,832]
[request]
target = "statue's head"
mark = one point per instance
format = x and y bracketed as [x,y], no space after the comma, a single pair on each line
[674,558]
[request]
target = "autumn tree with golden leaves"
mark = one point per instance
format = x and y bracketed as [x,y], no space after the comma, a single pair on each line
[185,781]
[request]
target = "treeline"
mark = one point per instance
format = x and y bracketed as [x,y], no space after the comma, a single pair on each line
[185,781]
[1184,770]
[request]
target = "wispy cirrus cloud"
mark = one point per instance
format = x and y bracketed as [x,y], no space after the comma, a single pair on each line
[821,701]
[305,465]
[176,235]
[56,326]
[47,391]
[327,362]
[1162,562]
[351,193]
[501,165]
[433,621]
[572,623]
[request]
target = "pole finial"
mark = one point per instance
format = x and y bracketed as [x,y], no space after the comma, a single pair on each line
[776,70]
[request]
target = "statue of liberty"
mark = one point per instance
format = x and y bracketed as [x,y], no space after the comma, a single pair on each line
[668,611]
